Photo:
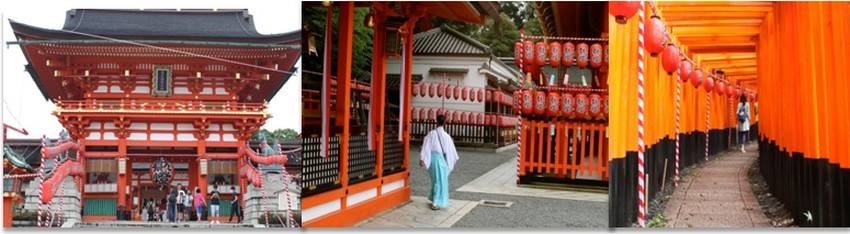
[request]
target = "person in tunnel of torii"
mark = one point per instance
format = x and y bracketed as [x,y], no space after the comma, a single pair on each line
[439,156]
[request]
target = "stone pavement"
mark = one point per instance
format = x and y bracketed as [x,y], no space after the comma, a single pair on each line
[502,180]
[418,214]
[718,194]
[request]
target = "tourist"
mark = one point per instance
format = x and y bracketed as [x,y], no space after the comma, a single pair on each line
[187,205]
[743,121]
[181,196]
[172,204]
[144,214]
[214,196]
[438,156]
[163,204]
[235,208]
[199,203]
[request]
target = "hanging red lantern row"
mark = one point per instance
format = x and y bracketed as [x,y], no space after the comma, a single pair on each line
[415,90]
[696,78]
[623,10]
[595,105]
[654,37]
[596,55]
[567,105]
[569,54]
[555,54]
[479,118]
[670,59]
[518,53]
[554,100]
[720,88]
[581,105]
[708,84]
[583,53]
[540,54]
[414,114]
[685,70]
[481,95]
[539,103]
[527,102]
[528,59]
[432,90]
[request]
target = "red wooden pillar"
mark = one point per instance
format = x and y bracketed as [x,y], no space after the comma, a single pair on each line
[8,206]
[202,177]
[343,106]
[378,94]
[406,78]
[122,177]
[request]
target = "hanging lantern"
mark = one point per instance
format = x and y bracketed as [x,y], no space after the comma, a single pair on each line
[528,48]
[481,95]
[423,115]
[489,96]
[464,93]
[488,119]
[738,91]
[567,105]
[518,53]
[423,89]
[596,55]
[569,54]
[540,54]
[479,118]
[720,87]
[685,69]
[583,53]
[517,98]
[708,84]
[554,100]
[581,105]
[595,105]
[606,55]
[539,103]
[432,115]
[457,91]
[653,37]
[527,102]
[555,54]
[432,89]
[449,91]
[414,114]
[623,10]
[441,90]
[670,59]
[464,117]
[730,90]
[448,115]
[605,112]
[415,90]
[696,78]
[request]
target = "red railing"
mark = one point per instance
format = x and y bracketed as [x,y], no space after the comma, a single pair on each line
[170,106]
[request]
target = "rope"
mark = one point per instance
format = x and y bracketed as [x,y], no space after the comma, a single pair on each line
[61,195]
[41,179]
[292,222]
[519,120]
[21,176]
[575,89]
[641,188]
[565,38]
[678,111]
[707,115]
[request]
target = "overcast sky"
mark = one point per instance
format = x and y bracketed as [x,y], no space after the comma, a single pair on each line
[27,104]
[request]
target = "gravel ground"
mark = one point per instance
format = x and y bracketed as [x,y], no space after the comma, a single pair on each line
[774,209]
[525,212]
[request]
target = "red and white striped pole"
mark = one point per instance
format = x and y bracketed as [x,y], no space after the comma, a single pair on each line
[519,118]
[41,178]
[707,115]
[641,188]
[288,199]
[678,117]
[61,194]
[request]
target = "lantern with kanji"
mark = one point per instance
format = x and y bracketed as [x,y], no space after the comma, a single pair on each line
[414,114]
[527,102]
[583,54]
[596,56]
[708,83]
[432,89]
[670,59]
[685,70]
[432,115]
[517,101]
[555,54]
[415,90]
[456,117]
[605,112]
[518,53]
[464,117]
[554,100]
[481,95]
[479,119]
[569,54]
[528,58]
[567,105]
[540,54]
[423,115]
[539,103]
[448,115]
[457,91]
[653,37]
[623,10]
[450,91]
[606,58]
[441,90]
[696,78]
[464,93]
[581,105]
[489,96]
[595,105]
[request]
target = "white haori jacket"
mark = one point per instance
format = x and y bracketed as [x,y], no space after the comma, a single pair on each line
[432,144]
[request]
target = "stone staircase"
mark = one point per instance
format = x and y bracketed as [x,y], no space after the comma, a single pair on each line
[139,224]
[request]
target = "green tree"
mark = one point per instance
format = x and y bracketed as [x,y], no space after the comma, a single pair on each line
[279,135]
[500,37]
[501,40]
[313,20]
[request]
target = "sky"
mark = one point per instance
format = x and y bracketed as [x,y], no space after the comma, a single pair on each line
[27,105]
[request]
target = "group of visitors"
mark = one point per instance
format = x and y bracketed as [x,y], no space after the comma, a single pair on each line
[181,205]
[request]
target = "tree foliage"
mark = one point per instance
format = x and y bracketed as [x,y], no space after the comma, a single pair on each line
[500,37]
[313,19]
[279,135]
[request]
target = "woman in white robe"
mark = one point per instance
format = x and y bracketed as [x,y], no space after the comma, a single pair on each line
[439,156]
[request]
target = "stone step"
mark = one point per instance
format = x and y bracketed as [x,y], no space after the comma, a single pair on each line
[138,224]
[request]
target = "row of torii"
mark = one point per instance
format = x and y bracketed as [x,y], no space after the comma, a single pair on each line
[49,183]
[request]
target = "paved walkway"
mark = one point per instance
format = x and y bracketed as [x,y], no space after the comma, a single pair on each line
[418,214]
[718,194]
[502,180]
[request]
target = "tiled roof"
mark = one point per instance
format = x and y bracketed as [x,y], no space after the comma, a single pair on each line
[446,41]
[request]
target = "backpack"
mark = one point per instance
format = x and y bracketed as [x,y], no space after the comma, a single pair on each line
[742,115]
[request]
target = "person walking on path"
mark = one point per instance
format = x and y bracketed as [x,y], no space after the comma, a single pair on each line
[235,208]
[187,205]
[214,197]
[743,121]
[199,203]
[172,205]
[438,156]
[181,197]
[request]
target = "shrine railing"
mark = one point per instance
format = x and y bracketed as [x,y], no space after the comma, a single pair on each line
[134,106]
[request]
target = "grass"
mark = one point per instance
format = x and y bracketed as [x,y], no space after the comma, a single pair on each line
[658,221]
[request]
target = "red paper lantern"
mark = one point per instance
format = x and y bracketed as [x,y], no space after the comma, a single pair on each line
[569,54]
[423,89]
[540,54]
[464,117]
[685,70]
[708,84]
[596,56]
[441,90]
[432,89]
[517,102]
[489,96]
[481,95]
[595,105]
[494,119]
[553,108]
[738,92]
[528,59]
[720,87]
[449,91]
[696,78]
[622,11]
[555,54]
[457,92]
[414,114]
[583,54]
[432,115]
[518,53]
[653,37]
[605,112]
[539,103]
[464,93]
[567,105]
[479,118]
[730,90]
[581,105]
[606,55]
[487,119]
[527,102]
[670,59]
[448,115]
[423,115]
[415,90]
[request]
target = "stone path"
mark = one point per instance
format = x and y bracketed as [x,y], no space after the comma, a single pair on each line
[418,214]
[718,195]
[502,180]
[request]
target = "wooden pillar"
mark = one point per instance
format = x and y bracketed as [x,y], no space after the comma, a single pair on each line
[8,208]
[343,113]
[201,178]
[122,178]
[378,94]
[406,78]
